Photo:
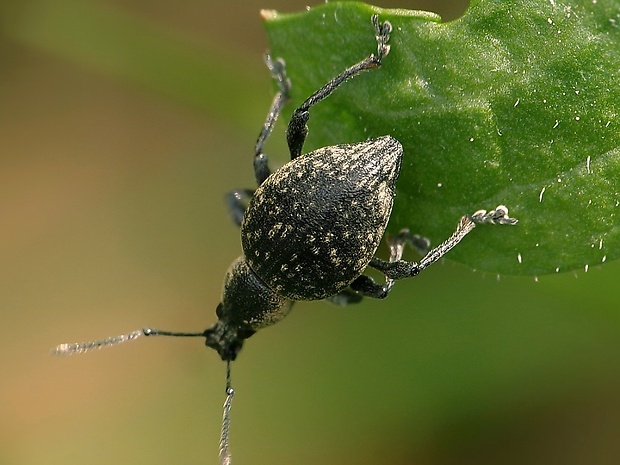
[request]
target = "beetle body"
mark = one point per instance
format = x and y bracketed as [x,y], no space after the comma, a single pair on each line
[312,227]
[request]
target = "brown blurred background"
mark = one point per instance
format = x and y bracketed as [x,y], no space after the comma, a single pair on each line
[122,124]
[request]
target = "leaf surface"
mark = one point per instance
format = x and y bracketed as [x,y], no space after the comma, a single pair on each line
[515,103]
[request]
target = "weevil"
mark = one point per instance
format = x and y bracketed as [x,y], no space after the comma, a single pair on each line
[312,227]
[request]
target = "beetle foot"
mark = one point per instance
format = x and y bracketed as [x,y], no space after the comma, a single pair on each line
[277,67]
[382,34]
[497,216]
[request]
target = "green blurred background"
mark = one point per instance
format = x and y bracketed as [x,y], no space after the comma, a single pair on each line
[122,124]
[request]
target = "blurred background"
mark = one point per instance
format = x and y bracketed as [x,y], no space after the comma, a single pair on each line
[122,124]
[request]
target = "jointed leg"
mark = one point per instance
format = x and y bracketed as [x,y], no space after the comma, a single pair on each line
[396,268]
[399,269]
[237,200]
[297,128]
[346,297]
[367,286]
[278,72]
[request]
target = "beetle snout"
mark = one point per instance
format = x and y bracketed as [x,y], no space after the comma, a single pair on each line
[225,339]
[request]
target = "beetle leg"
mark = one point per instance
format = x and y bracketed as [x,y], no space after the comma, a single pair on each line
[346,297]
[297,127]
[367,286]
[278,72]
[237,202]
[399,269]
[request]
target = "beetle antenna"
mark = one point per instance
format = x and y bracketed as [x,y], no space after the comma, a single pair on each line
[78,348]
[225,457]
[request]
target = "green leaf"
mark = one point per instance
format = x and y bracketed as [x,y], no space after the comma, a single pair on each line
[516,103]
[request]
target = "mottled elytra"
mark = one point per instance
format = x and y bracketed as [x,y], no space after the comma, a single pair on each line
[312,227]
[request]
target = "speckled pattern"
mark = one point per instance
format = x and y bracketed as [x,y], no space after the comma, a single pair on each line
[255,305]
[313,225]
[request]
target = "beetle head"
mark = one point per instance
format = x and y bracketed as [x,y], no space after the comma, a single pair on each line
[248,304]
[226,338]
